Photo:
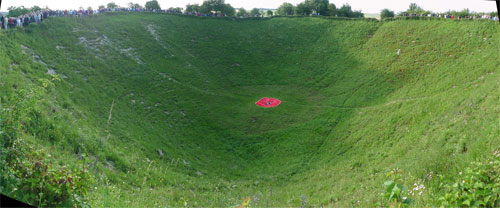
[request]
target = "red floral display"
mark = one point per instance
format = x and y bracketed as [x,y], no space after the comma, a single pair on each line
[268,102]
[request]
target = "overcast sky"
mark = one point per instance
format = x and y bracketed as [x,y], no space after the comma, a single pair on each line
[366,6]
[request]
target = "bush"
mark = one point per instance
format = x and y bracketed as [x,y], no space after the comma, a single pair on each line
[41,183]
[478,185]
[394,191]
[27,172]
[386,13]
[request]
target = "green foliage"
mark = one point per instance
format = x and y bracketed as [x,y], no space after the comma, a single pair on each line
[205,8]
[228,10]
[175,9]
[269,13]
[18,11]
[395,190]
[255,12]
[332,9]
[321,7]
[476,186]
[286,9]
[242,12]
[303,8]
[346,11]
[35,8]
[152,5]
[134,5]
[415,9]
[463,13]
[42,183]
[28,172]
[193,8]
[386,13]
[213,5]
[112,5]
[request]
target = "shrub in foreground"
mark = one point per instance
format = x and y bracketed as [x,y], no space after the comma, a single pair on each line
[28,173]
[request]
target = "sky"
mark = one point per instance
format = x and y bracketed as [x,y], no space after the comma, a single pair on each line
[366,6]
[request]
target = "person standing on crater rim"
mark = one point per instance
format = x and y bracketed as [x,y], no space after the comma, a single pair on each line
[1,22]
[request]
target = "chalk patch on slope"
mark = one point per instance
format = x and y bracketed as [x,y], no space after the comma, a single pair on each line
[102,43]
[37,58]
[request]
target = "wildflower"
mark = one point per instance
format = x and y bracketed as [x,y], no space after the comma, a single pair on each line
[460,173]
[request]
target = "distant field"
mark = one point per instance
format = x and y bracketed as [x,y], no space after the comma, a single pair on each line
[163,107]
[377,16]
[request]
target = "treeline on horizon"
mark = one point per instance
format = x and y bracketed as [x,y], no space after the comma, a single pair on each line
[305,8]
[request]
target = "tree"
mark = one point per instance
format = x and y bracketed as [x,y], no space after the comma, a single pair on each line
[35,8]
[269,13]
[101,7]
[152,5]
[386,13]
[213,5]
[242,12]
[415,9]
[303,8]
[464,13]
[17,11]
[319,6]
[217,5]
[332,9]
[112,5]
[175,9]
[346,11]
[90,8]
[205,8]
[228,10]
[134,6]
[286,9]
[193,8]
[255,12]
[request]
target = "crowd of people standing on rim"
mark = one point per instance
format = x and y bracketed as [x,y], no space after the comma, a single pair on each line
[23,20]
[38,16]
[7,22]
[449,16]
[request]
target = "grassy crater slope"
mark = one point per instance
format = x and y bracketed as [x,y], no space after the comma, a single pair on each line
[185,130]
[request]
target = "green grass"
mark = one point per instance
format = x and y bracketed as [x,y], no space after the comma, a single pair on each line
[352,108]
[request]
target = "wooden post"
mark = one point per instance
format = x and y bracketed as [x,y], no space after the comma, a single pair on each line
[109,119]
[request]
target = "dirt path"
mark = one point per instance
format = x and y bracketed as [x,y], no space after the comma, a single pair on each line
[372,106]
[319,106]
